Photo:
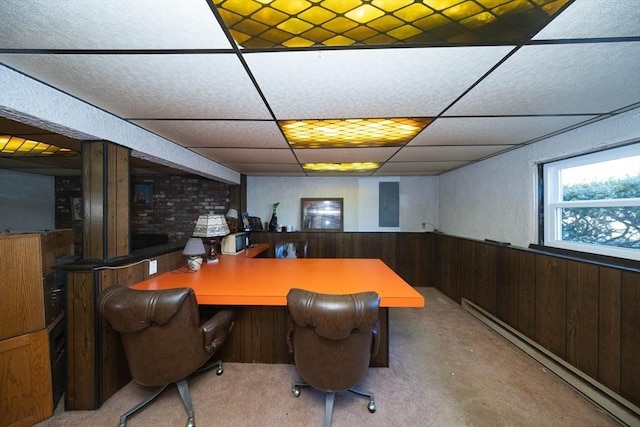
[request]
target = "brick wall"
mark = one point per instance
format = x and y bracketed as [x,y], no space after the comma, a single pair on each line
[176,203]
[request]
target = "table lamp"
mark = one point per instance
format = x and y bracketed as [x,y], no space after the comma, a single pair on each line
[193,250]
[211,227]
[232,219]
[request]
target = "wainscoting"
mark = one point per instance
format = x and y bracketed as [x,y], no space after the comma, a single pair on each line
[585,312]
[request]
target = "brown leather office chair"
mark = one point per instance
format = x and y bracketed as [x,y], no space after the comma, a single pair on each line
[332,338]
[291,249]
[163,339]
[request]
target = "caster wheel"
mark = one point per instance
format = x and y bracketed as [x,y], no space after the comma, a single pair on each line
[371,407]
[219,371]
[295,391]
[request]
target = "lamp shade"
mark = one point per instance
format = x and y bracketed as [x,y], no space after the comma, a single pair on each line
[211,226]
[232,213]
[194,247]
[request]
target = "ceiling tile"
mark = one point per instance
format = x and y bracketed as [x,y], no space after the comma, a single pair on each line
[168,67]
[342,155]
[151,86]
[559,79]
[417,82]
[484,130]
[594,18]
[247,155]
[446,154]
[99,24]
[219,133]
[419,166]
[279,169]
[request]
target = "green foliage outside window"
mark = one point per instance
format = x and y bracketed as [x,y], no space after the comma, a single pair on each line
[617,226]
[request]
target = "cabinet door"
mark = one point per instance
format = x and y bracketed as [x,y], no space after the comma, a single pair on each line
[21,298]
[25,379]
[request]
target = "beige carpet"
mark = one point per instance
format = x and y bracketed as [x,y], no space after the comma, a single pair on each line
[446,369]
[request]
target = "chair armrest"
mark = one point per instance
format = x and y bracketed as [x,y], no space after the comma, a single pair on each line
[217,329]
[375,344]
[290,338]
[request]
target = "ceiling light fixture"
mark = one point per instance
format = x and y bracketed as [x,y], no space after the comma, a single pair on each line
[342,133]
[302,23]
[11,146]
[341,167]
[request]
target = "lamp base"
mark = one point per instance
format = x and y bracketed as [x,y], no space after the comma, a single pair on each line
[194,263]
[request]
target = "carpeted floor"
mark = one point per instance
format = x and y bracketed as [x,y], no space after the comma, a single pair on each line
[446,369]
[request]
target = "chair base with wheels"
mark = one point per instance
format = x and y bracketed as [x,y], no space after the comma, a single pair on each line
[329,397]
[332,339]
[163,339]
[183,389]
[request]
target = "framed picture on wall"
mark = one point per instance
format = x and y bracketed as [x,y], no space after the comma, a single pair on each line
[143,195]
[76,208]
[321,214]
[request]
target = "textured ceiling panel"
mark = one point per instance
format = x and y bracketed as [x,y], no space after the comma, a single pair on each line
[443,154]
[151,86]
[240,155]
[168,66]
[559,79]
[482,130]
[280,169]
[595,18]
[369,82]
[100,24]
[419,166]
[220,133]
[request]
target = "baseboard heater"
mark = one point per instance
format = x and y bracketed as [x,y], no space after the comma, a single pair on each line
[624,411]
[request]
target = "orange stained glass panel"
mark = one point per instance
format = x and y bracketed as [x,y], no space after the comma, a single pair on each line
[384,22]
[339,133]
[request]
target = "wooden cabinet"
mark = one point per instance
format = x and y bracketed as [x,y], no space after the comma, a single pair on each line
[31,316]
[25,379]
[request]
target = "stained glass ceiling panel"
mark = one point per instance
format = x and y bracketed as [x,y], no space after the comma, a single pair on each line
[12,146]
[310,23]
[342,133]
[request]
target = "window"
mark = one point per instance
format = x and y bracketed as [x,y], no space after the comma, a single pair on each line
[592,203]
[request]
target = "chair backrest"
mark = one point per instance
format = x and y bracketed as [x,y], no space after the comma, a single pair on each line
[291,249]
[332,337]
[159,329]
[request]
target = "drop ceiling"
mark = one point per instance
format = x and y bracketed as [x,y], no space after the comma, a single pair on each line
[172,68]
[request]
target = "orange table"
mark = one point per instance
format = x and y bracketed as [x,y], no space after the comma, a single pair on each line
[244,280]
[258,288]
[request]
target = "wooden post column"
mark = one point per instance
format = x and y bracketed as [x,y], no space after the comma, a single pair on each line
[105,186]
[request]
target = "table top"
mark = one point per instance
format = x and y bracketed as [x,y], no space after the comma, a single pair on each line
[244,280]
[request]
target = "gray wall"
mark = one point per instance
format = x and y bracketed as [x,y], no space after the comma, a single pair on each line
[27,201]
[496,198]
[418,200]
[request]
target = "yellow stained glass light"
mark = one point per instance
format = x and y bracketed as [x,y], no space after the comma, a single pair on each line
[342,133]
[341,167]
[302,23]
[11,146]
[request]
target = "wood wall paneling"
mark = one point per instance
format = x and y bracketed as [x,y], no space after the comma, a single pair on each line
[93,198]
[609,343]
[583,312]
[508,285]
[551,304]
[630,337]
[105,184]
[526,293]
[81,367]
[582,317]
